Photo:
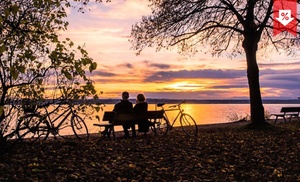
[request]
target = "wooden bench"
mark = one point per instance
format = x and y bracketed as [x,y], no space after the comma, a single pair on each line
[287,111]
[117,119]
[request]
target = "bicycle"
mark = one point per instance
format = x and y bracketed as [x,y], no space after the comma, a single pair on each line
[187,122]
[37,127]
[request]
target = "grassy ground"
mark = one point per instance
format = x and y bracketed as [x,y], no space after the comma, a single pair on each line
[218,153]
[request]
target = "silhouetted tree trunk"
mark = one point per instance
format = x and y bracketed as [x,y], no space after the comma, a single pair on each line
[250,44]
[256,106]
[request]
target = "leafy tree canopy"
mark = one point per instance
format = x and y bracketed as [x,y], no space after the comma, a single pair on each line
[34,62]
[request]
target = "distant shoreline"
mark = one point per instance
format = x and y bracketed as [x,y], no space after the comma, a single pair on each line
[188,101]
[195,101]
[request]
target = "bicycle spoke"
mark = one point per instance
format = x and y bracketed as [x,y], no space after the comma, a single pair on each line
[79,127]
[188,125]
[33,128]
[160,127]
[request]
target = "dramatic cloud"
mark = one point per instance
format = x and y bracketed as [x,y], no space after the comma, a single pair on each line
[231,86]
[275,64]
[103,73]
[160,66]
[209,73]
[105,30]
[283,83]
[126,65]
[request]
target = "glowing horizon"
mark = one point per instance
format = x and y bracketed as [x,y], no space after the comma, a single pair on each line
[105,31]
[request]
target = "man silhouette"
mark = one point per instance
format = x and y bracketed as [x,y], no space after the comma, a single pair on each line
[125,106]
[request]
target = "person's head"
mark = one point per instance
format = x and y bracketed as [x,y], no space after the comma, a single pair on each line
[140,98]
[125,95]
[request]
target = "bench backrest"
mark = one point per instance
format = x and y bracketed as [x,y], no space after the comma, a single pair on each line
[154,114]
[122,117]
[108,116]
[290,109]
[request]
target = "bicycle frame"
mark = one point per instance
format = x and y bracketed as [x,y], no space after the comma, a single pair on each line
[176,107]
[65,114]
[39,125]
[184,118]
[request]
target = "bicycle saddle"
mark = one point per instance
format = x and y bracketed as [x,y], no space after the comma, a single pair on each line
[160,104]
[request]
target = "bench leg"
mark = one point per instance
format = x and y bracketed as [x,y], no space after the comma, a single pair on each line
[285,119]
[296,116]
[113,131]
[275,119]
[290,119]
[282,117]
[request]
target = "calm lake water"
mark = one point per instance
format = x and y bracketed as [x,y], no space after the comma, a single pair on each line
[204,113]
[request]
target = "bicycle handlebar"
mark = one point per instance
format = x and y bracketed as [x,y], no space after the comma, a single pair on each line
[176,105]
[172,106]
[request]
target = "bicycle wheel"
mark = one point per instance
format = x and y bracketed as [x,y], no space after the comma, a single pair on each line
[79,127]
[160,126]
[33,127]
[188,124]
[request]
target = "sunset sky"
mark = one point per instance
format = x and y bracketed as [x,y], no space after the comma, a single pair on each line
[105,31]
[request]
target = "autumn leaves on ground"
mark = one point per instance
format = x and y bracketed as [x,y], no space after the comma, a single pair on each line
[216,154]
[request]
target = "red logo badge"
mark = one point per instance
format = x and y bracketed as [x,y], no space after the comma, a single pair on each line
[285,16]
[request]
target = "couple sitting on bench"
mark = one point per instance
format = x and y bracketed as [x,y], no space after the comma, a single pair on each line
[125,106]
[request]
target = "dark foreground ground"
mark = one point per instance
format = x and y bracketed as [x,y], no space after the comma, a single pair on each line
[216,154]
